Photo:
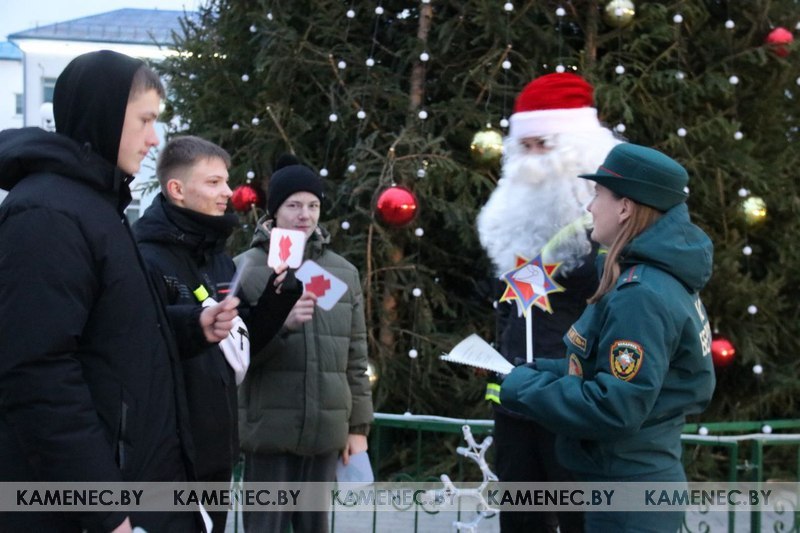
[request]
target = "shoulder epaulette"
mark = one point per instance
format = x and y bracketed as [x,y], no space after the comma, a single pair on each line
[631,275]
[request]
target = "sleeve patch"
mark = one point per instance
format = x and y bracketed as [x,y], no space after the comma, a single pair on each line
[625,359]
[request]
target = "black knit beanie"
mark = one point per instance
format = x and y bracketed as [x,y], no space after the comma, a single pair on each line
[288,180]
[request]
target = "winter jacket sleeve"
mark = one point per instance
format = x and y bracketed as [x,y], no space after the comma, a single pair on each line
[266,318]
[357,378]
[611,403]
[47,286]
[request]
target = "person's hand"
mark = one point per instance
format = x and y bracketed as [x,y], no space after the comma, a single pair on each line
[355,444]
[217,320]
[124,527]
[302,312]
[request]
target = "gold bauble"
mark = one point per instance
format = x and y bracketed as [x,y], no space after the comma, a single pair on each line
[372,374]
[755,210]
[487,147]
[619,13]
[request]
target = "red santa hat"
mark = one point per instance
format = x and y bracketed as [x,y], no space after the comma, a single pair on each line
[554,103]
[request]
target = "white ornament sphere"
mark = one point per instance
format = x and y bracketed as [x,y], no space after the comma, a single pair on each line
[766,429]
[351,168]
[747,250]
[333,117]
[412,353]
[420,172]
[504,122]
[560,69]
[235,127]
[758,370]
[620,128]
[342,65]
[678,18]
[370,62]
[269,15]
[345,225]
[733,80]
[620,69]
[729,24]
[424,56]
[245,77]
[423,114]
[419,232]
[417,292]
[361,114]
[253,28]
[702,430]
[250,174]
[560,12]
[351,13]
[681,132]
[508,6]
[752,309]
[506,64]
[323,172]
[738,135]
[743,192]
[379,10]
[255,121]
[680,75]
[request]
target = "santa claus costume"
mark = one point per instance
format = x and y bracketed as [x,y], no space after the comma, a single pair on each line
[539,207]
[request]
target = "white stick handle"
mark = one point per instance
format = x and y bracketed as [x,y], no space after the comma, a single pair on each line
[528,337]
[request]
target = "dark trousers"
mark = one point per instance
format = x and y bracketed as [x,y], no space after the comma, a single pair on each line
[288,467]
[525,452]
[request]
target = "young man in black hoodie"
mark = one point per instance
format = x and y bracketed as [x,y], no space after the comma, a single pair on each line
[182,239]
[90,387]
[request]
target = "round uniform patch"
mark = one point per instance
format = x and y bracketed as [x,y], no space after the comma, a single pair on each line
[575,367]
[626,359]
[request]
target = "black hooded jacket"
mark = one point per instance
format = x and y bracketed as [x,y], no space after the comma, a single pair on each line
[90,388]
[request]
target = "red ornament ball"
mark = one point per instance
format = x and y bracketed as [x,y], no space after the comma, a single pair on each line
[396,206]
[722,351]
[244,197]
[778,39]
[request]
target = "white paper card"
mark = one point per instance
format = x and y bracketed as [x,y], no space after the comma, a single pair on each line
[328,288]
[358,470]
[474,351]
[286,246]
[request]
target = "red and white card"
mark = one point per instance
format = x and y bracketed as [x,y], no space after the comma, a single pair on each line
[286,246]
[328,288]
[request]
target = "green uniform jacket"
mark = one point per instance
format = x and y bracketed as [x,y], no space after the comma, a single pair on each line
[638,361]
[307,389]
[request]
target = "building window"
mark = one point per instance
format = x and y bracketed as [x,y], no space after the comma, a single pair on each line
[18,104]
[48,86]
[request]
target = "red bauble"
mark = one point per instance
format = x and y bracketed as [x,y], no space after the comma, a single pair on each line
[244,197]
[722,351]
[778,39]
[396,206]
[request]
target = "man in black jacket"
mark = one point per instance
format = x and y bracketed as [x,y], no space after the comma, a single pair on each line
[90,387]
[182,238]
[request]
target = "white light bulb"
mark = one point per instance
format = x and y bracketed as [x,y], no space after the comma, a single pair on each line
[743,192]
[361,114]
[269,15]
[412,353]
[351,168]
[333,117]
[560,69]
[680,75]
[417,292]
[323,172]
[747,250]
[766,429]
[345,225]
[255,121]
[758,370]
[379,10]
[245,77]
[620,69]
[342,65]
[423,114]
[250,174]
[508,6]
[504,122]
[506,64]
[419,232]
[420,172]
[752,309]
[681,132]
[253,28]
[370,62]
[351,13]
[729,24]
[677,19]
[620,128]
[560,12]
[494,304]
[738,135]
[424,56]
[702,430]
[733,80]
[235,127]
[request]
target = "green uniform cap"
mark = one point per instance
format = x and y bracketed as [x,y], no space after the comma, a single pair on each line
[644,175]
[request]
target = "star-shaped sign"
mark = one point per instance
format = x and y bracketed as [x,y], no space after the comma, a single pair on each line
[530,283]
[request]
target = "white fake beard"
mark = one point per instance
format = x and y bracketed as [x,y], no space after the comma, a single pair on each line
[538,195]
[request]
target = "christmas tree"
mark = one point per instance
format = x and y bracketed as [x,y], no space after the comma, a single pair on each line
[388,97]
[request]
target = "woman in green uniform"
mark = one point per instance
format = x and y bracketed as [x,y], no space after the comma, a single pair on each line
[638,359]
